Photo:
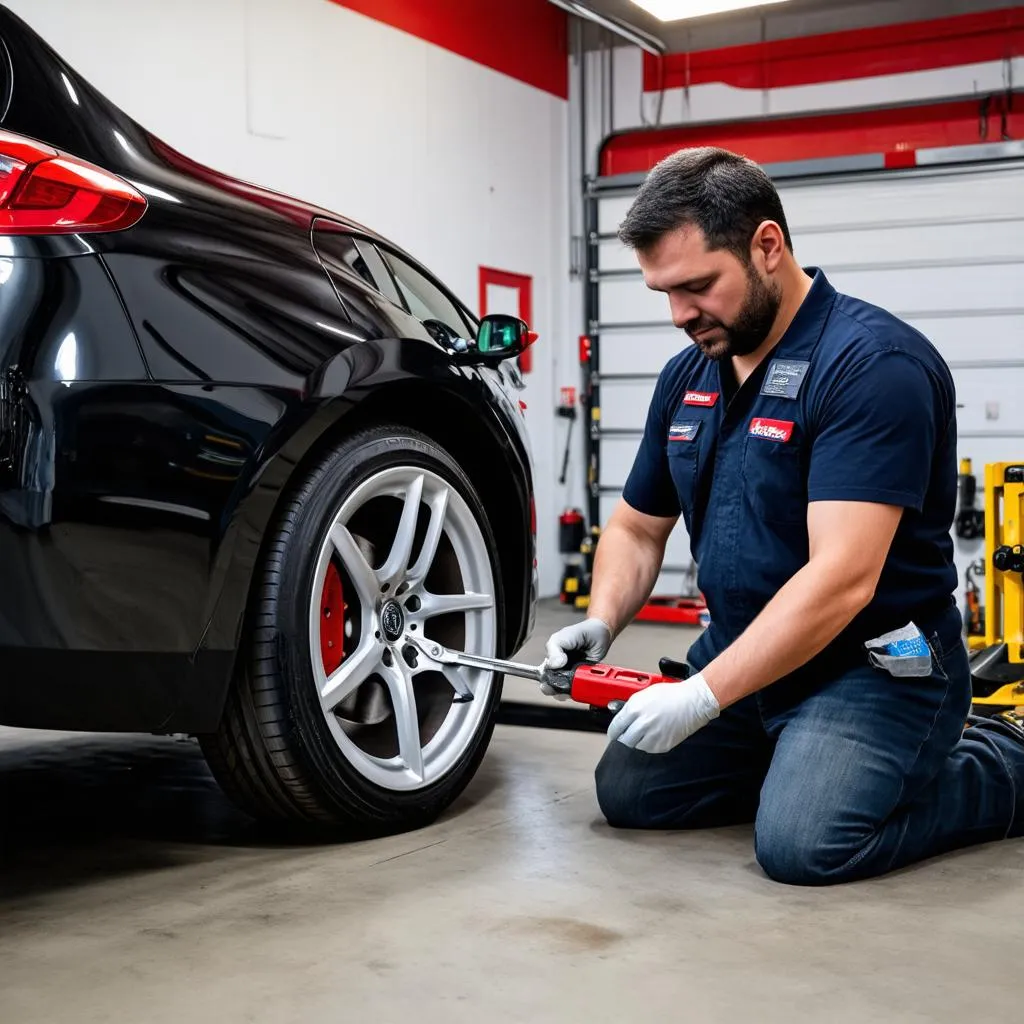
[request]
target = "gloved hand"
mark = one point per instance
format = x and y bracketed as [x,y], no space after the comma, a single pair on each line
[592,637]
[660,717]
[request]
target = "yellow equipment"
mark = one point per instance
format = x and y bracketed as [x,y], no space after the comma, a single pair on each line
[997,658]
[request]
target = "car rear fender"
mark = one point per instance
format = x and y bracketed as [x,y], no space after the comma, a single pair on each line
[369,384]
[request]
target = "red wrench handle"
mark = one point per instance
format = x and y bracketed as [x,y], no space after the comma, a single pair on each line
[601,685]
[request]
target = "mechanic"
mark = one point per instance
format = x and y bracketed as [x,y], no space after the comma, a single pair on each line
[808,439]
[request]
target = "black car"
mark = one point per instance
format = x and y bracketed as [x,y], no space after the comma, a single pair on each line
[248,449]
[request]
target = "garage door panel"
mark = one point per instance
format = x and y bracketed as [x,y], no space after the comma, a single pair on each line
[613,255]
[611,213]
[901,198]
[994,339]
[936,242]
[630,301]
[641,351]
[617,455]
[624,404]
[937,289]
[677,550]
[990,402]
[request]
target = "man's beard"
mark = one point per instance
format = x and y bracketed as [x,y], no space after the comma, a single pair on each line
[750,328]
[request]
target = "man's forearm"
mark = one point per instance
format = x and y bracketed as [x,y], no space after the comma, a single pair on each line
[626,566]
[814,606]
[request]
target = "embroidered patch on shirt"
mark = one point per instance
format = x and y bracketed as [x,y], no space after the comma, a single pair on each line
[683,431]
[707,398]
[784,377]
[773,430]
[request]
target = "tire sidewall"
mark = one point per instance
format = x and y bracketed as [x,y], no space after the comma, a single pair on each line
[350,464]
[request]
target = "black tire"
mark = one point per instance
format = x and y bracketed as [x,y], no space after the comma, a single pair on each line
[273,753]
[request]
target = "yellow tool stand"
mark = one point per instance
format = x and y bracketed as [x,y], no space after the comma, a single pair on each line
[997,658]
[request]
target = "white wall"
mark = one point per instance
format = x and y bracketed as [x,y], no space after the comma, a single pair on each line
[459,164]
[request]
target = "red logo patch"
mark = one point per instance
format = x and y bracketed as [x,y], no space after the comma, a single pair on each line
[773,430]
[700,398]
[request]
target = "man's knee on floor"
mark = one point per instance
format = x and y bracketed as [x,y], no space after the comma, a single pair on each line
[798,853]
[620,787]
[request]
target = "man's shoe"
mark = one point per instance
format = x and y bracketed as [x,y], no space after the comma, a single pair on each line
[1014,718]
[1009,722]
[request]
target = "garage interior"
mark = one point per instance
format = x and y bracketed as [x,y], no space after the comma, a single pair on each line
[132,889]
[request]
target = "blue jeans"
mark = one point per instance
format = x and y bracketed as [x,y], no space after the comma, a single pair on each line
[861,775]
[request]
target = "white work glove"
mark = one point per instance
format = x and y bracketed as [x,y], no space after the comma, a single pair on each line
[592,637]
[662,715]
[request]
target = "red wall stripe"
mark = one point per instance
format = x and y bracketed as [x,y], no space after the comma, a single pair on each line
[837,56]
[893,130]
[526,39]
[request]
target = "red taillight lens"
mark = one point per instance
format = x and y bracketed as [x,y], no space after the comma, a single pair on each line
[43,192]
[11,171]
[40,194]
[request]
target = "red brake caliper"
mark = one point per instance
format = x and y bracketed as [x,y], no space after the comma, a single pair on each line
[332,621]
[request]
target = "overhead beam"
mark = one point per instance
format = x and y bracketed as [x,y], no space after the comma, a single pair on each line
[645,40]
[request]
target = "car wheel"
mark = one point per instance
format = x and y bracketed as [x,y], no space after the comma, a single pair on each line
[333,717]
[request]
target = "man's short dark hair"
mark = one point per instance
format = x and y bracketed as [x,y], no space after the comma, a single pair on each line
[724,194]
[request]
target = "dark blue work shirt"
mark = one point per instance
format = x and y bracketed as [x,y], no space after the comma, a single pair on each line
[852,404]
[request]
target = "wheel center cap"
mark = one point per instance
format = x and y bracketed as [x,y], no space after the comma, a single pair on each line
[392,621]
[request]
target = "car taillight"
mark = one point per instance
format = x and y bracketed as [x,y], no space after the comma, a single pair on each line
[43,192]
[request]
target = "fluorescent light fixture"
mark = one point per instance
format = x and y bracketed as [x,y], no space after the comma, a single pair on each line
[676,10]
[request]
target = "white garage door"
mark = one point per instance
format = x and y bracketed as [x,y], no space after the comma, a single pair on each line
[942,248]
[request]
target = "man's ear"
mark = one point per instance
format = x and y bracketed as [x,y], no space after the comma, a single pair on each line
[768,245]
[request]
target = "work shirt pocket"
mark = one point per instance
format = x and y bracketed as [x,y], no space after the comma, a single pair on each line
[683,449]
[773,480]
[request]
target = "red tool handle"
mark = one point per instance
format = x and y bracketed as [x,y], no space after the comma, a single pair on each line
[601,685]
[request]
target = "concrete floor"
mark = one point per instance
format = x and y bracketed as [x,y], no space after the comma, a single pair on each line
[131,891]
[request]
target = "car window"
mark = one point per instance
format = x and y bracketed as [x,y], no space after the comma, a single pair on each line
[425,298]
[340,251]
[378,268]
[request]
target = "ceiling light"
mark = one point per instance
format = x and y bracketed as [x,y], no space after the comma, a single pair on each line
[676,10]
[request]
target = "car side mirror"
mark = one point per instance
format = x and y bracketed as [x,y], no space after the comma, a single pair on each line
[499,337]
[502,336]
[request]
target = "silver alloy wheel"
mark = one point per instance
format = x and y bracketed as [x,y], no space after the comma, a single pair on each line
[452,547]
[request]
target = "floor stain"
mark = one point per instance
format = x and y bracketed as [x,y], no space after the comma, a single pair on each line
[568,933]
